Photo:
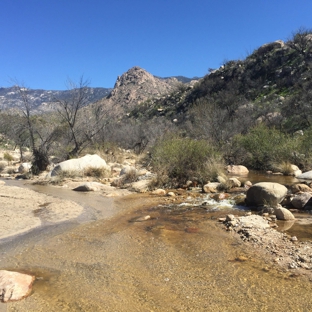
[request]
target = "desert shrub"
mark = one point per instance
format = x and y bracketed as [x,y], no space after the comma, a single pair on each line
[263,147]
[69,174]
[8,157]
[176,160]
[284,167]
[96,172]
[303,155]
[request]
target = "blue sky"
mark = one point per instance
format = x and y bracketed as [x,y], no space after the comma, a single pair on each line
[45,42]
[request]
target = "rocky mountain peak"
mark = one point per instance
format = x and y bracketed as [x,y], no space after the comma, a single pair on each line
[136,86]
[134,75]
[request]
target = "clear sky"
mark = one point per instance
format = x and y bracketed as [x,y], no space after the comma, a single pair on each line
[45,42]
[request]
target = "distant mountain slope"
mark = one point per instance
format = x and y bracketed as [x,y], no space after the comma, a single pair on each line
[42,100]
[131,88]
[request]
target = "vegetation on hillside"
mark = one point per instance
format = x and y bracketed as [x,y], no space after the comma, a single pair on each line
[256,112]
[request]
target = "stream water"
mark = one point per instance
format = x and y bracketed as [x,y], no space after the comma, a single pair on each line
[178,260]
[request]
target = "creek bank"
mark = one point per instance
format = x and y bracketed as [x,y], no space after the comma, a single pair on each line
[259,233]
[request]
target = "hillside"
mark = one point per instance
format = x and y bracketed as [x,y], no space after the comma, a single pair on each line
[275,80]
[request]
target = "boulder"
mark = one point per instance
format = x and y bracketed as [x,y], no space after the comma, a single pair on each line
[283,214]
[300,187]
[14,286]
[80,164]
[265,193]
[211,187]
[295,171]
[237,169]
[234,182]
[302,200]
[306,175]
[24,167]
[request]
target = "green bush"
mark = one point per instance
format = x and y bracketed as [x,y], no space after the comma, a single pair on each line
[262,148]
[177,160]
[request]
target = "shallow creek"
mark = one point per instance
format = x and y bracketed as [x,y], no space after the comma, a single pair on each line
[179,260]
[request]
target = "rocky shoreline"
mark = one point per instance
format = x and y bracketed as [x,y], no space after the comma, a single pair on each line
[280,249]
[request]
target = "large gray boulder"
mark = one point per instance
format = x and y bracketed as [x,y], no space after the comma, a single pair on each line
[265,193]
[80,164]
[306,175]
[14,286]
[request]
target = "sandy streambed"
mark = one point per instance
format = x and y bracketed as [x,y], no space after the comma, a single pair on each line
[22,210]
[178,260]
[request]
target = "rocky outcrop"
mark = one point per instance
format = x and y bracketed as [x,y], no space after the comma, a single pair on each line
[134,87]
[265,193]
[80,164]
[270,46]
[14,286]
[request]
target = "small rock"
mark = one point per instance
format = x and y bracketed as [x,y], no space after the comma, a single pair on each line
[159,192]
[241,258]
[141,219]
[230,217]
[171,194]
[14,286]
[294,239]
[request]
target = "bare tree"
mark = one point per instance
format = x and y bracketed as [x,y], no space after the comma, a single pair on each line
[42,133]
[82,122]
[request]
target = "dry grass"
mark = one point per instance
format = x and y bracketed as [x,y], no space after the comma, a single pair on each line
[98,173]
[284,167]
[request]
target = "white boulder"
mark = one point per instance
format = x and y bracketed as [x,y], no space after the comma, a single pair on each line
[80,164]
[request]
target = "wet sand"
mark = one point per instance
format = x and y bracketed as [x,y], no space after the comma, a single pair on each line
[175,261]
